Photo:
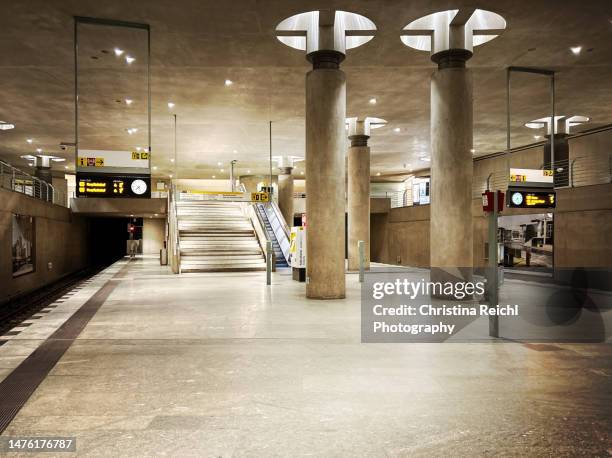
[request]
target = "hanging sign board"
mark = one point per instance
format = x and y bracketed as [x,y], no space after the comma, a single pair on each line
[531,178]
[100,161]
[226,196]
[101,185]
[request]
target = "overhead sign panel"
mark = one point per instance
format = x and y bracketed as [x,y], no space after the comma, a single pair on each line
[226,196]
[113,161]
[531,199]
[531,177]
[101,185]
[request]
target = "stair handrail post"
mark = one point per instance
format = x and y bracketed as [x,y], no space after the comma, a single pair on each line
[269,255]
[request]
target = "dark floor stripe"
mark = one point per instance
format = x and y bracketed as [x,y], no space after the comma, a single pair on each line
[19,385]
[12,333]
[2,342]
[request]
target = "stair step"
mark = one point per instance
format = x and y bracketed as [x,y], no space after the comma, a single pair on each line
[245,268]
[222,261]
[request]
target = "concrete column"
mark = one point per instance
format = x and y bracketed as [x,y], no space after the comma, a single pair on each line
[43,169]
[450,37]
[325,146]
[285,194]
[358,200]
[451,232]
[328,33]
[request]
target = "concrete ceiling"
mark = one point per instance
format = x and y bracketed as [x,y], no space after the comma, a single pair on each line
[197,44]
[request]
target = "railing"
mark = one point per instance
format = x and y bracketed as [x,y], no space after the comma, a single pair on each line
[15,180]
[572,173]
[400,198]
[582,171]
[174,243]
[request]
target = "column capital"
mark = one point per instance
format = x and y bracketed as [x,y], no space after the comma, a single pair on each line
[450,36]
[563,123]
[325,35]
[359,129]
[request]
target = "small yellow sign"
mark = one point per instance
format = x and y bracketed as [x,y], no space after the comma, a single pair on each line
[91,162]
[260,197]
[548,173]
[136,155]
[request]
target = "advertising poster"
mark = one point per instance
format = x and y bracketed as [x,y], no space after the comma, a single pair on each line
[22,245]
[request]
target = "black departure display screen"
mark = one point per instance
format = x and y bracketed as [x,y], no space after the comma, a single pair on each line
[92,185]
[531,199]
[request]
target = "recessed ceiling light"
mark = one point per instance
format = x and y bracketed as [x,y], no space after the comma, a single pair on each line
[138,148]
[378,174]
[425,159]
[537,137]
[128,101]
[397,129]
[170,175]
[132,130]
[29,140]
[302,173]
[576,49]
[6,126]
[235,151]
[118,52]
[154,167]
[171,160]
[129,59]
[66,167]
[472,151]
[372,101]
[228,82]
[39,150]
[218,163]
[221,170]
[248,171]
[214,176]
[170,105]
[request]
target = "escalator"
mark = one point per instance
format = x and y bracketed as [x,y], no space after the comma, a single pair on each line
[277,231]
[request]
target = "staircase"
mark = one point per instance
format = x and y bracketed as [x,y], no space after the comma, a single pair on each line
[217,237]
[279,257]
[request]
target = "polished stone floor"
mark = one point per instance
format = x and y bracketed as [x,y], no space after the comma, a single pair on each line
[222,365]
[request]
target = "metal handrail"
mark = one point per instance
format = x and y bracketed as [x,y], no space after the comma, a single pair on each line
[174,243]
[16,180]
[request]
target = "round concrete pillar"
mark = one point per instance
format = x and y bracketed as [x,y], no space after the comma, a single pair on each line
[451,233]
[285,194]
[358,200]
[325,204]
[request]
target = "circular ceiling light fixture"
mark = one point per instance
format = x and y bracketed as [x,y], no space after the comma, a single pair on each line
[306,31]
[563,128]
[458,30]
[6,126]
[362,126]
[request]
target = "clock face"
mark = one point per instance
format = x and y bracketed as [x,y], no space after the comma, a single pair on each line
[517,198]
[139,187]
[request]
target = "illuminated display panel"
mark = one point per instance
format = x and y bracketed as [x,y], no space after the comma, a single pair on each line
[90,185]
[531,199]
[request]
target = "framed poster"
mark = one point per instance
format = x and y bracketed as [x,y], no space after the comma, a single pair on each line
[23,245]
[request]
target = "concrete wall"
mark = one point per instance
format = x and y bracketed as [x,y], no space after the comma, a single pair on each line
[61,238]
[153,235]
[583,224]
